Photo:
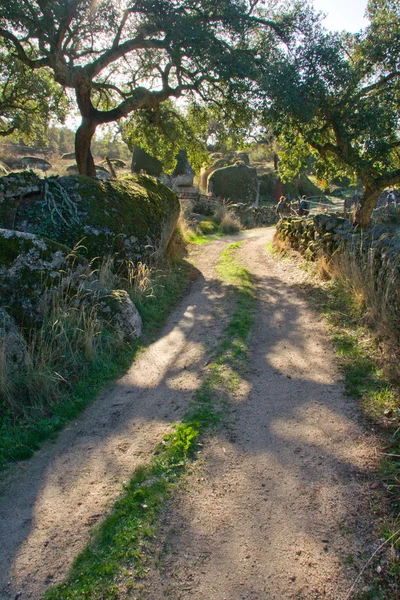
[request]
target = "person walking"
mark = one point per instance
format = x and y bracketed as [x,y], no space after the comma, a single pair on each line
[281,207]
[304,208]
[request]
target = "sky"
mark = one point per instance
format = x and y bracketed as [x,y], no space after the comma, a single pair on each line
[343,14]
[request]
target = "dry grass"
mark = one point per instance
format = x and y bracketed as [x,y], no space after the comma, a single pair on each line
[323,268]
[139,283]
[227,220]
[281,246]
[71,338]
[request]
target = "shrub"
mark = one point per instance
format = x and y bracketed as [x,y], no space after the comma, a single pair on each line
[207,227]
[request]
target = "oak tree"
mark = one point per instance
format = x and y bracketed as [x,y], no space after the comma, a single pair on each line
[128,55]
[338,96]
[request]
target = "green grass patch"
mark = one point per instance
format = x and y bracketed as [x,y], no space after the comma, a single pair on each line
[22,434]
[117,555]
[200,239]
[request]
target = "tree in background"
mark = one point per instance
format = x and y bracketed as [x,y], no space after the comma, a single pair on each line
[127,56]
[338,97]
[195,126]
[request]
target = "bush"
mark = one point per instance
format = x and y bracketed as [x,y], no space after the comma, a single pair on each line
[207,227]
[230,223]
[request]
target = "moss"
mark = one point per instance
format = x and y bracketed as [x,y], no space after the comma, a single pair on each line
[236,183]
[27,265]
[132,217]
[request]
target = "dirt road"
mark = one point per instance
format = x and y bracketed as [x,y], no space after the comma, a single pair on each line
[277,507]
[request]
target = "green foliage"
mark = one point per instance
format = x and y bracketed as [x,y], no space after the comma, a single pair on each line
[336,98]
[27,100]
[162,132]
[123,57]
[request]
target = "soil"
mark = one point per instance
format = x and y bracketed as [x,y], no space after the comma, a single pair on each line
[277,507]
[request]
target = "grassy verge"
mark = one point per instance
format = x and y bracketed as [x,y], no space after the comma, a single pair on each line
[117,557]
[361,356]
[365,378]
[200,239]
[21,432]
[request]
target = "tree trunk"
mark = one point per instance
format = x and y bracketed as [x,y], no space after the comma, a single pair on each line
[365,209]
[83,154]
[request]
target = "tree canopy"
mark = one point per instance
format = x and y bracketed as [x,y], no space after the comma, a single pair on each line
[27,100]
[337,96]
[129,55]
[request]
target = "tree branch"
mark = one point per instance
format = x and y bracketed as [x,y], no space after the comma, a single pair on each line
[23,57]
[114,53]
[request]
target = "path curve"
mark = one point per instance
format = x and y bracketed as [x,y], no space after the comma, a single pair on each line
[278,503]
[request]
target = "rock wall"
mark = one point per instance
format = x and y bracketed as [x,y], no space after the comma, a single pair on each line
[249,216]
[255,216]
[376,251]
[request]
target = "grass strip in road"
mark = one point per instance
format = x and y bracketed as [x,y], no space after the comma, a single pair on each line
[116,557]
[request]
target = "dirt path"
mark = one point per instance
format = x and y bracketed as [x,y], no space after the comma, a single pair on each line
[277,507]
[49,504]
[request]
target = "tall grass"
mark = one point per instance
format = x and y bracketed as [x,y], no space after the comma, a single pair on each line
[373,287]
[74,351]
[226,219]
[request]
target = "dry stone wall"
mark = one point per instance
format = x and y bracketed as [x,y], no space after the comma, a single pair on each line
[376,252]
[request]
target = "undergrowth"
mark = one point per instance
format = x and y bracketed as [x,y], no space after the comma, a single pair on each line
[117,556]
[222,222]
[73,356]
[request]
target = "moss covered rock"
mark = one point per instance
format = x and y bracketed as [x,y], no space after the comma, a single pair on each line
[28,265]
[132,218]
[35,271]
[237,183]
[142,162]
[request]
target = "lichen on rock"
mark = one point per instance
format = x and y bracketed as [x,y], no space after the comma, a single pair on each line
[132,218]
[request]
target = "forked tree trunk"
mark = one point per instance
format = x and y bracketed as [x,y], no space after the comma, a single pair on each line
[83,154]
[364,211]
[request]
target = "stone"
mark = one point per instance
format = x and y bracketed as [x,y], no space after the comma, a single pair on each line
[33,162]
[18,185]
[234,183]
[35,270]
[122,314]
[28,265]
[183,174]
[132,217]
[142,162]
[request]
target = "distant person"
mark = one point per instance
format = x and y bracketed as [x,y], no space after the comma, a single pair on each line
[281,207]
[304,208]
[391,198]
